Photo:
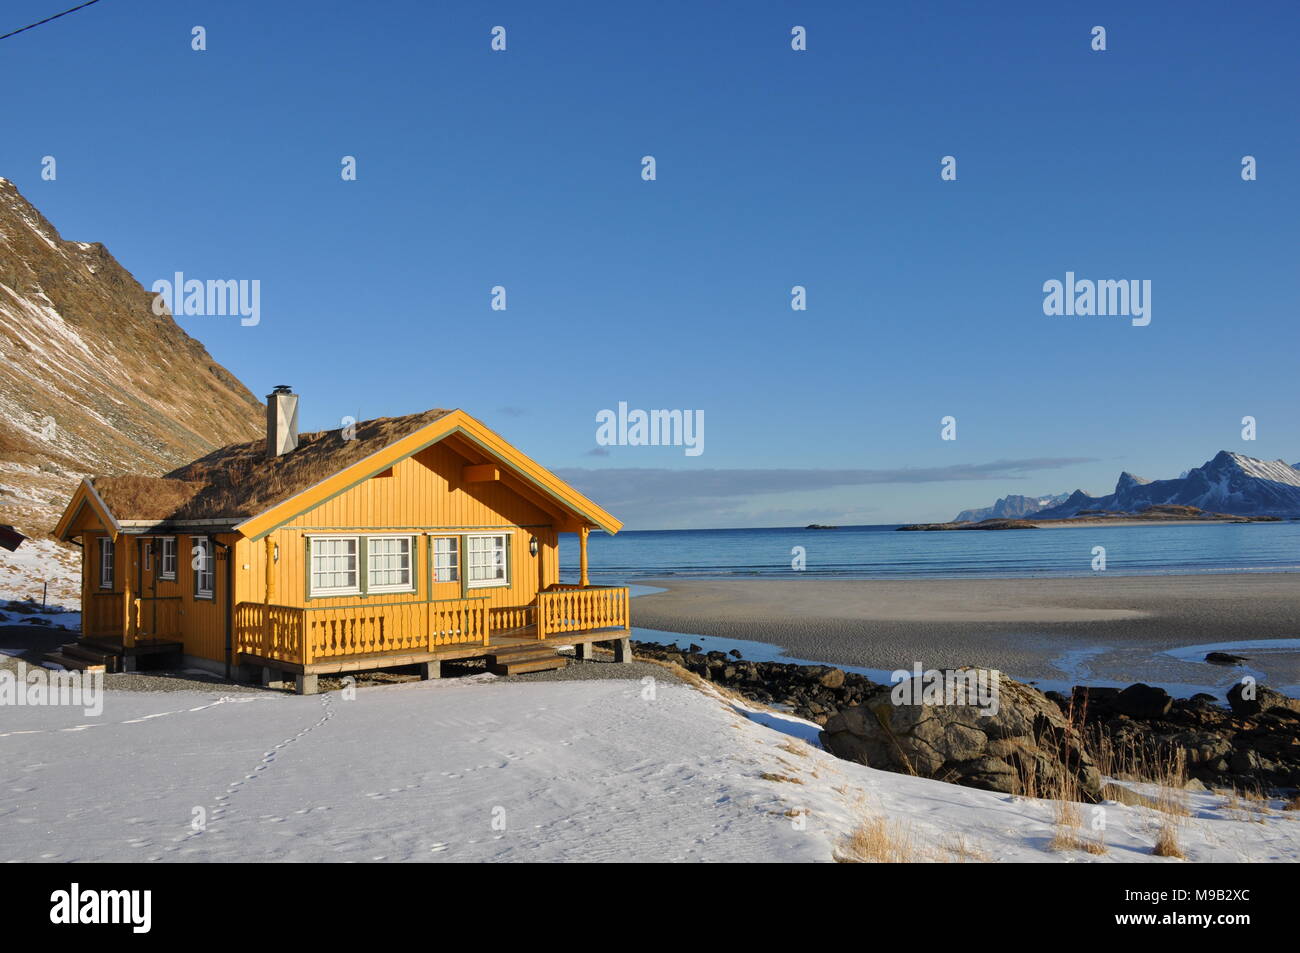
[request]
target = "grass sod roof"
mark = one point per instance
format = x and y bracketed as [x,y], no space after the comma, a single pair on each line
[239,481]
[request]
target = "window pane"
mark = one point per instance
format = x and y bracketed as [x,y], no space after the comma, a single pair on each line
[446,559]
[390,562]
[487,559]
[105,563]
[205,572]
[334,564]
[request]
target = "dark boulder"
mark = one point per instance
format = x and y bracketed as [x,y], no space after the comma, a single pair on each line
[1024,745]
[1143,701]
[1249,698]
[1225,658]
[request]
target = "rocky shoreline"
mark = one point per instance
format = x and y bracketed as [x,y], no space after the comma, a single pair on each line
[1241,743]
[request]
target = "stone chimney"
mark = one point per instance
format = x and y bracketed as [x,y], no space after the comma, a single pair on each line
[281,421]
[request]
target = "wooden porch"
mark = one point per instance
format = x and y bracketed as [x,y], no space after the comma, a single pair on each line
[141,618]
[108,653]
[306,642]
[117,632]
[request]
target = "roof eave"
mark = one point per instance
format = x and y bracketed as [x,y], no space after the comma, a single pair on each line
[84,495]
[583,509]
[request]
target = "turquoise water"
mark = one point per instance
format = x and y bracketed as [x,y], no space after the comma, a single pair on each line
[880,552]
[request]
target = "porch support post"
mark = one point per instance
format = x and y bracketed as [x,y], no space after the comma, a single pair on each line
[431,669]
[583,651]
[86,618]
[582,556]
[127,559]
[269,589]
[305,684]
[622,650]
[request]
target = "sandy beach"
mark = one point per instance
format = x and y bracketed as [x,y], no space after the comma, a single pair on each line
[1099,629]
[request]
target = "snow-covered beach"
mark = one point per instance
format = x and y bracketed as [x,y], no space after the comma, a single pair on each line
[481,769]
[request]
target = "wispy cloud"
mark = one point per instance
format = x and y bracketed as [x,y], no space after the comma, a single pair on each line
[617,487]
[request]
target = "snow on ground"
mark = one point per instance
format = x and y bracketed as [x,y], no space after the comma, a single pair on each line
[477,769]
[55,617]
[36,562]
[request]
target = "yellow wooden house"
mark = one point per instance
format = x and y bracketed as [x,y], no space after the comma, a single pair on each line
[394,542]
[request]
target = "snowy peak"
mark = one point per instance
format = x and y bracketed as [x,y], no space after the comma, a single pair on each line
[1128,480]
[1278,471]
[1227,483]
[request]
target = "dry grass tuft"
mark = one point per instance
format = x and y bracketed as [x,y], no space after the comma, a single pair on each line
[787,778]
[1250,803]
[877,841]
[1117,792]
[1172,796]
[1167,841]
[1067,839]
[800,748]
[1069,834]
[961,850]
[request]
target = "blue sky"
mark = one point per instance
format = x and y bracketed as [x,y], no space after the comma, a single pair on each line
[775,168]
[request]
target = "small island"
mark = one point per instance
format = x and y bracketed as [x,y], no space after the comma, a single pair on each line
[982,524]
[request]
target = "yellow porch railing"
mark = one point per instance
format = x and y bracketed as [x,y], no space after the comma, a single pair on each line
[504,618]
[566,608]
[272,632]
[307,634]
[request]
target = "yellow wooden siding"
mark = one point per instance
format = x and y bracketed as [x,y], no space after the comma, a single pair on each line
[419,495]
[198,623]
[423,494]
[203,621]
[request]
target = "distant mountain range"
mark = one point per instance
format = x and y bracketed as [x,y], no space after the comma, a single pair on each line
[1230,483]
[1011,507]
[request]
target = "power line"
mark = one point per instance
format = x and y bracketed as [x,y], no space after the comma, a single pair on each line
[47,19]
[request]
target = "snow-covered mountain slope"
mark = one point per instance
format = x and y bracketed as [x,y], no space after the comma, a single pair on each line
[584,770]
[91,380]
[1228,483]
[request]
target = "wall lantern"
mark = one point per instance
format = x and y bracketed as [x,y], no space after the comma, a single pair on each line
[275,556]
[532,546]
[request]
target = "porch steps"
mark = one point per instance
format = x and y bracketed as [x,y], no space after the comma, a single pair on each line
[524,659]
[88,655]
[70,658]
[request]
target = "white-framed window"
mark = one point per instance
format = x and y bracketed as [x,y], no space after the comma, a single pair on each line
[488,564]
[334,566]
[388,564]
[205,570]
[446,559]
[105,563]
[167,558]
[148,555]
